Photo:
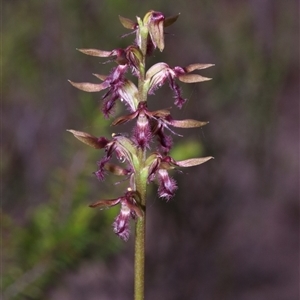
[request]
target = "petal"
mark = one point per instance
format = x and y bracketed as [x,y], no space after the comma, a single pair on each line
[155,22]
[179,101]
[166,143]
[155,69]
[142,133]
[135,209]
[134,57]
[100,173]
[167,185]
[109,104]
[152,162]
[126,149]
[161,114]
[121,223]
[129,93]
[124,119]
[121,226]
[156,31]
[116,76]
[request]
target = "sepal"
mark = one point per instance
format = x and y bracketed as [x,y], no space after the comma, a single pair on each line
[88,139]
[95,52]
[188,123]
[105,203]
[116,170]
[193,67]
[127,23]
[90,87]
[193,161]
[192,78]
[170,20]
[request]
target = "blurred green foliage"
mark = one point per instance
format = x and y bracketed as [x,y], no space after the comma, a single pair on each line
[57,235]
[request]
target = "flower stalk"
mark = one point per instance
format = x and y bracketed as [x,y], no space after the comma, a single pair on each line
[141,160]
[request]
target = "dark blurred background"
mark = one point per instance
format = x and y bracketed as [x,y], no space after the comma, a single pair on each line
[231,232]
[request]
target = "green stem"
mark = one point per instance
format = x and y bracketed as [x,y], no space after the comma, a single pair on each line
[140,233]
[141,186]
[139,260]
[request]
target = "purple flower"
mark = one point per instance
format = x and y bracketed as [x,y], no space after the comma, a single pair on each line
[130,209]
[124,150]
[118,88]
[153,123]
[161,72]
[160,165]
[158,169]
[130,56]
[142,131]
[154,22]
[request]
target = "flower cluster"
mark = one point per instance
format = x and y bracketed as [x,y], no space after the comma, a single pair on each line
[138,163]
